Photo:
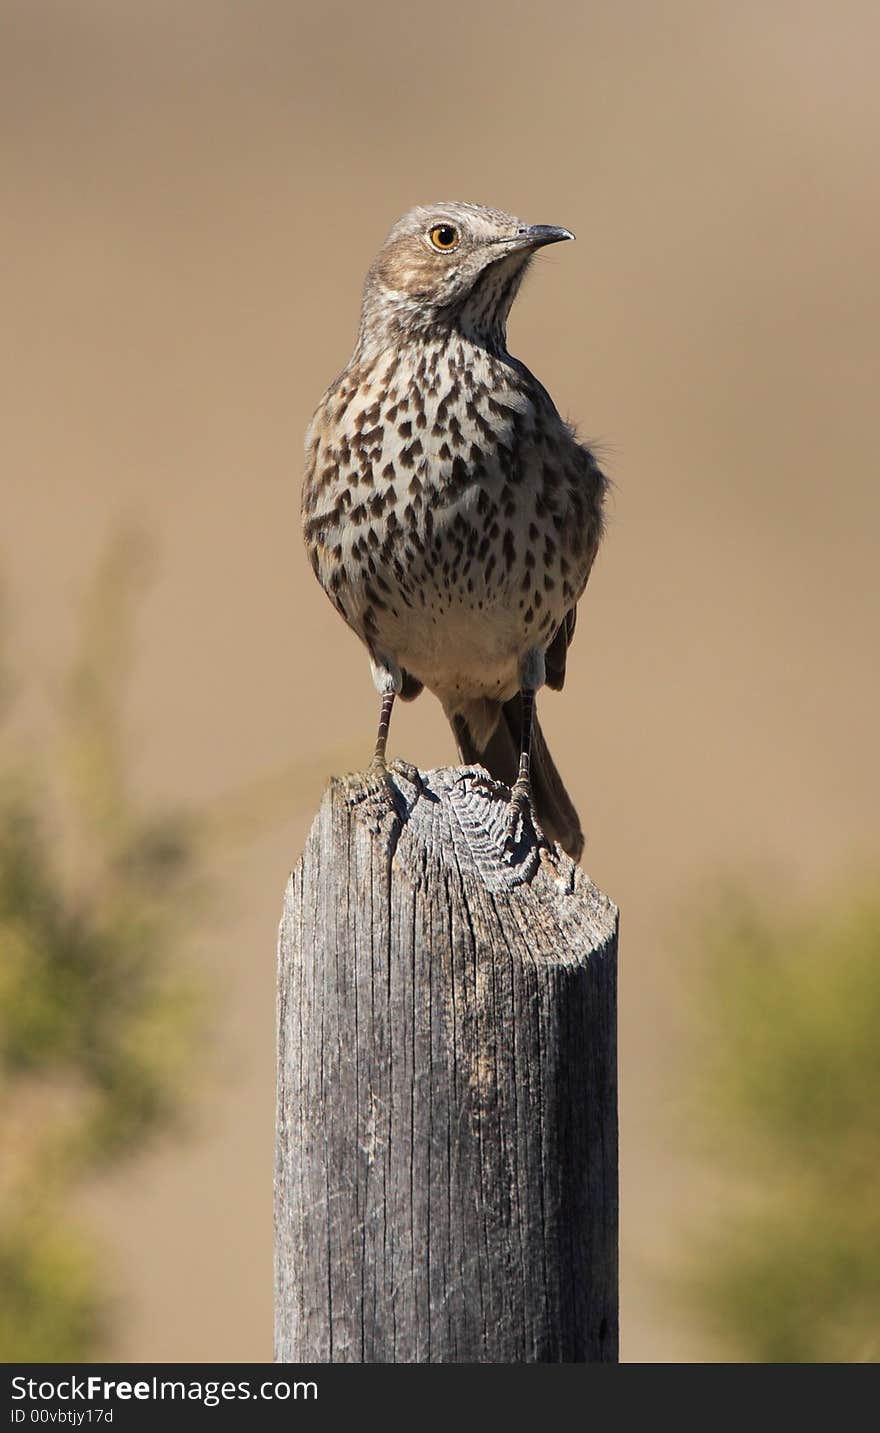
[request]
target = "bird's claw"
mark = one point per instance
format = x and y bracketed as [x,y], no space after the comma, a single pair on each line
[409,773]
[376,799]
[373,787]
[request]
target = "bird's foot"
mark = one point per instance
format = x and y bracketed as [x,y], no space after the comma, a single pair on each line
[409,773]
[378,770]
[373,791]
[379,797]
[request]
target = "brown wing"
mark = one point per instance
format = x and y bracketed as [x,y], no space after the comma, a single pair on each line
[558,650]
[557,653]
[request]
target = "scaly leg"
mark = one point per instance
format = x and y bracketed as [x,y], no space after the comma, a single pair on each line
[379,766]
[521,791]
[388,681]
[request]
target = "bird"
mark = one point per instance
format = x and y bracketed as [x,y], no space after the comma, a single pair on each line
[449,512]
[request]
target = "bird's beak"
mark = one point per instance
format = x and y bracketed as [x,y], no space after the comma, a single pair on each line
[535,236]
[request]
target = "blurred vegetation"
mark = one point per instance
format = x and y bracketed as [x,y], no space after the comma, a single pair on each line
[788,1109]
[100,1008]
[98,1016]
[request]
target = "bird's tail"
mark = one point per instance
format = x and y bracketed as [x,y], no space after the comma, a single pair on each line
[489,733]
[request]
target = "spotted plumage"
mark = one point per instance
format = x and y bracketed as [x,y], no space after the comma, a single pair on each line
[449,512]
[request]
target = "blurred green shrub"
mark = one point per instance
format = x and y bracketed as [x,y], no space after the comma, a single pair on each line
[787,1085]
[98,1014]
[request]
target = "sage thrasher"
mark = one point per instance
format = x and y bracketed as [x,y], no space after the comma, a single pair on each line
[450,513]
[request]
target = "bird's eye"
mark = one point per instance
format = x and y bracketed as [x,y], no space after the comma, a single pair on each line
[444,237]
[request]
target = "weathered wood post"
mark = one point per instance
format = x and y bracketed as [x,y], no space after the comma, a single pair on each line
[446,1165]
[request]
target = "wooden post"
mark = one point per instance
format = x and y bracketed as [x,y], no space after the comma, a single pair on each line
[446,1165]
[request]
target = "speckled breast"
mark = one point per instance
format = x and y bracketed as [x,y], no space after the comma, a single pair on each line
[449,513]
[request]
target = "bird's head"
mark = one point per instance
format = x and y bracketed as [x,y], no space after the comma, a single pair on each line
[456,265]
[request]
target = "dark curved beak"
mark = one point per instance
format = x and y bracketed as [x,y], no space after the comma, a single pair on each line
[535,236]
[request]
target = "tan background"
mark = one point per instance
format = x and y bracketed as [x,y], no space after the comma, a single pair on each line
[192,191]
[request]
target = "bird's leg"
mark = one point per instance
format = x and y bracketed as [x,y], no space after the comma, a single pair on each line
[374,789]
[379,766]
[521,791]
[532,678]
[388,681]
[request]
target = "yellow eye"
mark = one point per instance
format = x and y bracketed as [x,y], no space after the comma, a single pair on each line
[444,237]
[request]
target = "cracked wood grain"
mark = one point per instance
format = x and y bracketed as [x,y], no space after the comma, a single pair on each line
[446,1162]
